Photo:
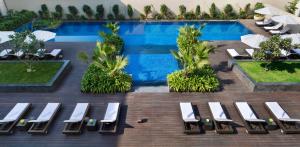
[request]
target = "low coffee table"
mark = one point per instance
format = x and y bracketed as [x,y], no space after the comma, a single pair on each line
[207,124]
[92,125]
[271,124]
[23,125]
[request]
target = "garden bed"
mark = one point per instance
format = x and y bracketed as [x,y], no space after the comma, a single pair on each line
[15,78]
[284,76]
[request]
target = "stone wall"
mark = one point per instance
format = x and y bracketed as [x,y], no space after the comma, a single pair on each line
[138,5]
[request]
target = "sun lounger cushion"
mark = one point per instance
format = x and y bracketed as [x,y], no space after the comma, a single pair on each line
[282,31]
[247,113]
[187,112]
[250,52]
[233,52]
[276,27]
[297,51]
[111,113]
[19,53]
[217,111]
[78,113]
[265,22]
[55,52]
[47,113]
[277,110]
[15,113]
[5,52]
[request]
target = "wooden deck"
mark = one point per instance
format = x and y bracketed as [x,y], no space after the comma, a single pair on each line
[164,126]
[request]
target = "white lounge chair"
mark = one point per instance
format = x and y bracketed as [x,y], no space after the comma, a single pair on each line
[191,123]
[284,30]
[55,53]
[253,124]
[235,55]
[75,123]
[110,122]
[18,54]
[275,27]
[187,112]
[296,51]
[221,121]
[12,118]
[40,53]
[41,124]
[286,123]
[264,22]
[4,53]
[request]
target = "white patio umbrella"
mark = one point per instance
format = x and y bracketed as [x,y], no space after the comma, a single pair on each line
[42,35]
[268,11]
[295,38]
[4,36]
[253,40]
[285,19]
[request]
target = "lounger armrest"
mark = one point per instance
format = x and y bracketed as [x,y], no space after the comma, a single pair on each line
[72,121]
[289,120]
[6,120]
[107,121]
[37,121]
[255,120]
[224,120]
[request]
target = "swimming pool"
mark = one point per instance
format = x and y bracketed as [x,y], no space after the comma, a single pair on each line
[148,44]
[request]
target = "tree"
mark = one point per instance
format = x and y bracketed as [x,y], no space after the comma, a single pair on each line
[214,11]
[104,57]
[270,50]
[88,11]
[129,11]
[164,10]
[27,43]
[198,11]
[147,10]
[100,12]
[116,11]
[193,53]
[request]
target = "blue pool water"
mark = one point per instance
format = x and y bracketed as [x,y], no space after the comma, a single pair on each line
[148,44]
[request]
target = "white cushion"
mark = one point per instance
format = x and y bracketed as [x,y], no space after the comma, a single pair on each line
[111,113]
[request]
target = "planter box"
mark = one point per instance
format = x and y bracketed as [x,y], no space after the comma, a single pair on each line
[261,86]
[44,87]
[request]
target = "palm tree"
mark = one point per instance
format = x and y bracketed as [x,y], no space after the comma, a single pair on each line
[105,59]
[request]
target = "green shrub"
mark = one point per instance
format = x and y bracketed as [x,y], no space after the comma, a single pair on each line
[110,16]
[214,11]
[88,11]
[15,19]
[147,10]
[96,81]
[73,12]
[292,6]
[100,12]
[205,15]
[157,16]
[259,6]
[46,23]
[200,80]
[130,11]
[190,15]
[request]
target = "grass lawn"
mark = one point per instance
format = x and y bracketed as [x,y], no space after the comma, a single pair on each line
[280,71]
[15,73]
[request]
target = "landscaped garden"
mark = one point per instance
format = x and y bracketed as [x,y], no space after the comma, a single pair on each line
[16,73]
